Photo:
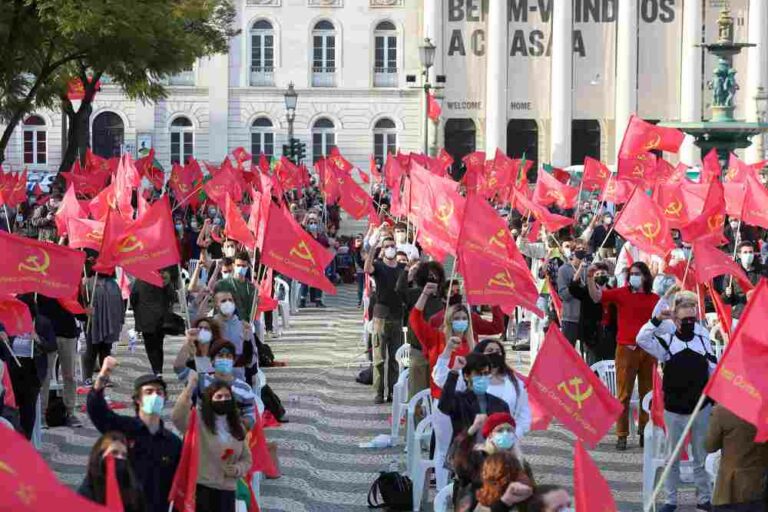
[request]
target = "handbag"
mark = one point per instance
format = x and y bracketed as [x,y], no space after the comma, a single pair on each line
[173,324]
[391,491]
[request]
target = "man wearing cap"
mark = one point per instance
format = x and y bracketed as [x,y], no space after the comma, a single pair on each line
[154,451]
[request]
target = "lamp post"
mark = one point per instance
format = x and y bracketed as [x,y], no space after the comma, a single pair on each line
[427,59]
[291,99]
[761,106]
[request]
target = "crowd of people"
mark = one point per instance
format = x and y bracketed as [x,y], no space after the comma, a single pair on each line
[609,298]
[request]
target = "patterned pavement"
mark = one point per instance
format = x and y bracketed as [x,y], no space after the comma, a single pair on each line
[323,467]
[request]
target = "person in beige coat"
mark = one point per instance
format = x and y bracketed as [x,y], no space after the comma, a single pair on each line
[740,485]
[224,453]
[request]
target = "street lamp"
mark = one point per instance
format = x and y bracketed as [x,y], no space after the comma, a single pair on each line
[291,99]
[761,108]
[427,59]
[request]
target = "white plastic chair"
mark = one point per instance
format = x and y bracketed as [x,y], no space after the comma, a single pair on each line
[403,357]
[423,400]
[283,295]
[420,463]
[399,405]
[444,499]
[606,371]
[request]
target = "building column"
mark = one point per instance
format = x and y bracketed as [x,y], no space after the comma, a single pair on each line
[757,69]
[561,102]
[626,69]
[496,79]
[218,101]
[690,76]
[430,31]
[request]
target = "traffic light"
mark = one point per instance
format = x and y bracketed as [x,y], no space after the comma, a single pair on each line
[287,151]
[298,150]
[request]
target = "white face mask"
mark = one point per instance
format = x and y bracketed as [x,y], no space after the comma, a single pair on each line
[567,253]
[400,238]
[204,336]
[227,308]
[226,275]
[747,258]
[229,252]
[390,253]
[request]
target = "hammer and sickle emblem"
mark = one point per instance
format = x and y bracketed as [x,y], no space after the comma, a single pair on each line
[651,230]
[573,390]
[674,208]
[653,143]
[601,172]
[502,279]
[130,244]
[4,467]
[498,238]
[301,250]
[32,263]
[359,200]
[444,212]
[96,234]
[492,182]
[557,196]
[183,187]
[112,200]
[715,221]
[731,173]
[638,171]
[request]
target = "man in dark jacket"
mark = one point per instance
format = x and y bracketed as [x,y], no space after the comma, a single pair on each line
[734,293]
[154,451]
[150,305]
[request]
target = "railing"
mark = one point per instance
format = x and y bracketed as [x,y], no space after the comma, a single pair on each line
[184,78]
[262,76]
[323,77]
[385,77]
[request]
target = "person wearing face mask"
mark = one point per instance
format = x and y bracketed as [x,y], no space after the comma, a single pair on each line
[242,289]
[210,237]
[403,244]
[229,248]
[239,333]
[480,326]
[224,454]
[222,357]
[634,304]
[677,340]
[43,218]
[735,295]
[567,274]
[112,445]
[358,258]
[603,236]
[153,450]
[193,355]
[151,307]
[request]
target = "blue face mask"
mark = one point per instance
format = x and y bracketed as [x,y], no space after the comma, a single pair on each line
[241,271]
[480,384]
[504,440]
[460,326]
[152,404]
[635,282]
[224,366]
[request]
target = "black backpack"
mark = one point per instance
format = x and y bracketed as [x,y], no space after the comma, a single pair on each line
[685,375]
[391,491]
[365,376]
[266,356]
[56,414]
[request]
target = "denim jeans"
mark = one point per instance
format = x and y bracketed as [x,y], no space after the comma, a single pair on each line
[315,295]
[675,424]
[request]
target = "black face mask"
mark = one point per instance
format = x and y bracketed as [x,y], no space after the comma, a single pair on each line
[687,326]
[497,361]
[222,407]
[454,299]
[602,280]
[580,254]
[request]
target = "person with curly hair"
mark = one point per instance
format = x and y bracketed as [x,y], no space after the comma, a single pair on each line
[505,483]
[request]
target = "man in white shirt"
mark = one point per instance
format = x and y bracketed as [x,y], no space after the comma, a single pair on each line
[403,245]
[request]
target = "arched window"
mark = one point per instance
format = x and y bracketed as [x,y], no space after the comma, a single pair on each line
[523,139]
[107,135]
[182,140]
[262,54]
[35,141]
[460,140]
[262,138]
[385,55]
[323,138]
[324,54]
[384,140]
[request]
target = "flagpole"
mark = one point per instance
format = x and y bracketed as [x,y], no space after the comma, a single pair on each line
[675,454]
[10,351]
[736,242]
[183,293]
[687,266]
[615,220]
[578,197]
[187,197]
[8,222]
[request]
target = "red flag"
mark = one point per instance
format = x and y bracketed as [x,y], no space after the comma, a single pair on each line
[738,171]
[617,191]
[103,202]
[72,305]
[184,486]
[15,191]
[755,207]
[393,172]
[475,164]
[69,208]
[590,490]
[85,233]
[641,137]
[41,267]
[363,177]
[550,191]
[433,108]
[241,155]
[640,169]
[712,262]
[540,420]
[499,175]
[710,168]
[723,312]
[657,401]
[561,175]
[534,232]
[10,398]
[595,175]
[15,316]
[557,305]
[734,198]
[184,181]
[442,207]
[127,179]
[262,460]
[666,173]
[374,170]
[643,223]
[496,282]
[354,199]
[235,225]
[36,190]
[445,158]
[709,224]
[114,501]
[672,202]
[339,161]
[562,382]
[224,183]
[288,249]
[551,222]
[739,382]
[266,301]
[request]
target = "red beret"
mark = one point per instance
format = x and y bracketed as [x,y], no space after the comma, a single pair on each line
[496,419]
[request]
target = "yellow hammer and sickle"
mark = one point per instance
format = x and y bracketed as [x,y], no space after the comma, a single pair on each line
[7,468]
[638,171]
[715,221]
[653,143]
[183,187]
[96,234]
[556,195]
[601,172]
[359,200]
[26,494]
[444,212]
[576,395]
[674,208]
[301,250]
[33,265]
[502,279]
[731,173]
[498,238]
[111,200]
[130,244]
[651,230]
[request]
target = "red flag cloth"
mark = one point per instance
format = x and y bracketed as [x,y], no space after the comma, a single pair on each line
[262,460]
[643,223]
[657,401]
[557,304]
[666,173]
[710,168]
[9,399]
[15,190]
[561,175]
[184,485]
[740,381]
[85,233]
[641,137]
[433,108]
[723,312]
[533,233]
[41,267]
[734,198]
[72,305]
[617,191]
[266,302]
[374,169]
[640,169]
[445,158]
[591,493]
[263,163]
[28,483]
[354,199]
[540,420]
[363,177]
[550,191]
[443,207]
[127,179]
[755,207]
[114,501]
[738,171]
[595,175]
[562,382]
[36,190]
[235,225]
[184,180]
[393,172]
[339,161]
[551,222]
[708,225]
[69,208]
[123,283]
[712,262]
[670,197]
[475,164]
[224,183]
[499,175]
[103,202]
[241,155]
[288,249]
[15,316]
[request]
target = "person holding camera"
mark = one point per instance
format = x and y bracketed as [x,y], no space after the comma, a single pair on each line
[575,254]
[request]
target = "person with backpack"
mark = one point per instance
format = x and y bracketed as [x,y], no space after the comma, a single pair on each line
[682,345]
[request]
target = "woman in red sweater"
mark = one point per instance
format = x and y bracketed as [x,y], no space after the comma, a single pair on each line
[456,325]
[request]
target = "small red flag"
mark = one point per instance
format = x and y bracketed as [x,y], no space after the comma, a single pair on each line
[551,221]
[643,223]
[596,174]
[563,383]
[241,155]
[235,225]
[127,179]
[710,168]
[666,173]
[441,207]
[669,196]
[657,401]
[15,316]
[590,490]
[550,190]
[617,191]
[85,233]
[363,177]
[433,108]
[103,202]
[114,501]
[266,301]
[755,206]
[709,224]
[69,208]
[641,137]
[475,165]
[393,173]
[262,460]
[712,262]
[339,161]
[225,182]
[723,312]
[445,158]
[738,171]
[354,199]
[374,170]
[184,486]
[639,170]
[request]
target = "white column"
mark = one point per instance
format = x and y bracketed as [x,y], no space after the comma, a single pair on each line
[496,79]
[690,76]
[757,67]
[626,68]
[561,104]
[218,100]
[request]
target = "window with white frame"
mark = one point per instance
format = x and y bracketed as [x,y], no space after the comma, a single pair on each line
[384,140]
[262,54]
[262,138]
[35,141]
[385,55]
[182,140]
[324,54]
[323,138]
